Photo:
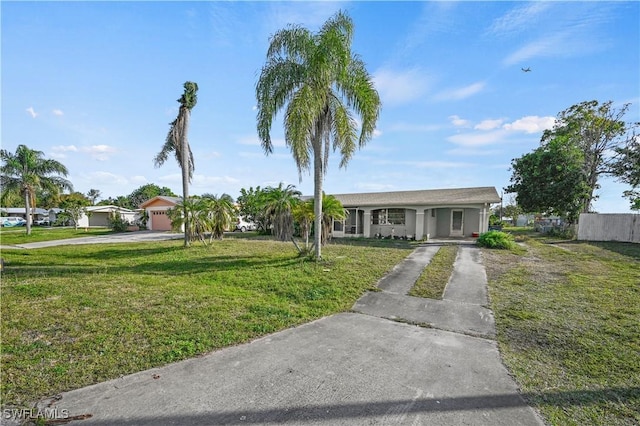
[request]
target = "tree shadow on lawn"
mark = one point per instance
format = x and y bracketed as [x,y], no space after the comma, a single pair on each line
[169,267]
[631,250]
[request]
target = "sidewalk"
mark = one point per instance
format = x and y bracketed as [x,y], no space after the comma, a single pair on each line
[347,369]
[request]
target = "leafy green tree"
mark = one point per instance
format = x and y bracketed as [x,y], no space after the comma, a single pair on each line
[93,195]
[626,167]
[74,206]
[178,143]
[147,192]
[279,205]
[251,206]
[598,131]
[551,179]
[320,81]
[26,172]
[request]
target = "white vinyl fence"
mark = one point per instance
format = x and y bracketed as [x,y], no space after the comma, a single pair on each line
[609,227]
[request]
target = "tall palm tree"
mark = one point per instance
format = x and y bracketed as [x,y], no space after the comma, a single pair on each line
[26,172]
[279,207]
[178,143]
[320,81]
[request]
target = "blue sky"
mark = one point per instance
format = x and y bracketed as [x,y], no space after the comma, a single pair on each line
[94,85]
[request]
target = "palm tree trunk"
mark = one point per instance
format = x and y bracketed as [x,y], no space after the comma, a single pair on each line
[27,203]
[317,195]
[185,176]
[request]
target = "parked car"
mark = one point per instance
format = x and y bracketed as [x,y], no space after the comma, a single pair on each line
[42,222]
[12,221]
[244,226]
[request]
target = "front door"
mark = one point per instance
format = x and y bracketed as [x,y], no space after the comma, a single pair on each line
[457,223]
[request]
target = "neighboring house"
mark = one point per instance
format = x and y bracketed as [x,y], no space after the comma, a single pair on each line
[432,213]
[37,213]
[156,209]
[99,215]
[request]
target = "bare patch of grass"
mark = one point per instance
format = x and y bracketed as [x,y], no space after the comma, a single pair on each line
[435,276]
[568,328]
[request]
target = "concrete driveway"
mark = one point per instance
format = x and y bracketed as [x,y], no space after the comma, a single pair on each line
[366,367]
[124,237]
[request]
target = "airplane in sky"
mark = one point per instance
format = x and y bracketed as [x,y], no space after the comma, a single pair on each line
[528,69]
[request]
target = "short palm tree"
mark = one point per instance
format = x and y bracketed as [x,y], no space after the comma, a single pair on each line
[26,172]
[219,214]
[178,143]
[279,205]
[303,215]
[319,80]
[331,209]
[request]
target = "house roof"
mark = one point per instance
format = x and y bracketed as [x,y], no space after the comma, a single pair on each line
[108,209]
[172,200]
[21,210]
[453,196]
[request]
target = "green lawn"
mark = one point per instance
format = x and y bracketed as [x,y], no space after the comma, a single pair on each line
[12,236]
[435,276]
[568,322]
[76,315]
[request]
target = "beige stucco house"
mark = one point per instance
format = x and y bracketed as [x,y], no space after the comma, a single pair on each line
[431,213]
[99,215]
[156,209]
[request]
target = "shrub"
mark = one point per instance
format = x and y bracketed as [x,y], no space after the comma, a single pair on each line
[496,240]
[117,223]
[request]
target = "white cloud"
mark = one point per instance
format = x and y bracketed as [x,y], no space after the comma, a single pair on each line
[494,135]
[99,152]
[478,139]
[518,19]
[373,187]
[139,180]
[531,124]
[63,148]
[462,92]
[106,178]
[458,122]
[57,112]
[32,112]
[488,124]
[408,127]
[377,133]
[400,87]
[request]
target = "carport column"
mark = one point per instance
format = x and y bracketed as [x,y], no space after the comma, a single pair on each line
[366,225]
[484,221]
[419,224]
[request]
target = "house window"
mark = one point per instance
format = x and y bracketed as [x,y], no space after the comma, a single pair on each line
[388,217]
[338,225]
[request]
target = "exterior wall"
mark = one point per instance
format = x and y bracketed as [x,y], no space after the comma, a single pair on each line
[471,222]
[609,227]
[443,222]
[99,219]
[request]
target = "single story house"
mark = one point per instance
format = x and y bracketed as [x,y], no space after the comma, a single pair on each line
[431,213]
[99,215]
[37,213]
[156,209]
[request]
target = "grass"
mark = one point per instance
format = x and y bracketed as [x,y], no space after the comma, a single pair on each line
[12,236]
[568,322]
[77,315]
[435,276]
